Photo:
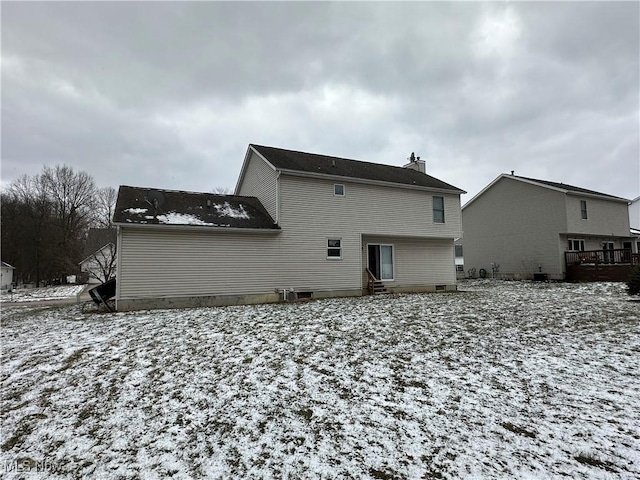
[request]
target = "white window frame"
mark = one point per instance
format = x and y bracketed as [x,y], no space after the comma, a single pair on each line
[571,244]
[433,207]
[393,260]
[335,188]
[333,248]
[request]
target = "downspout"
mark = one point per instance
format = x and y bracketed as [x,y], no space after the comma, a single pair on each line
[277,219]
[118,263]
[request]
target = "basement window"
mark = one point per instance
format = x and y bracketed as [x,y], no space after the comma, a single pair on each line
[334,248]
[338,190]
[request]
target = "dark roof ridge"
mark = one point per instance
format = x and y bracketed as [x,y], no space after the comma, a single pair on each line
[188,192]
[319,164]
[568,187]
[326,156]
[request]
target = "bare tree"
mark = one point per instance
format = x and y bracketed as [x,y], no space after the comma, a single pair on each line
[26,228]
[105,204]
[73,196]
[103,264]
[222,190]
[44,219]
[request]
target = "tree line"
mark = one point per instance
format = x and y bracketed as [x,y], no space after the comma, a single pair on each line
[45,219]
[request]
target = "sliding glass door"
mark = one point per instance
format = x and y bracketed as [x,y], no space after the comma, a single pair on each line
[380,261]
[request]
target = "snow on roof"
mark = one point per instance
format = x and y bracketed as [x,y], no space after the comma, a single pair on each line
[137,205]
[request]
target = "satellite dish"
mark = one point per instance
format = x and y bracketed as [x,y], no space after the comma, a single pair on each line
[155,198]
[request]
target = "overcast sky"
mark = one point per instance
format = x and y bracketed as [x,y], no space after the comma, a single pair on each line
[170,94]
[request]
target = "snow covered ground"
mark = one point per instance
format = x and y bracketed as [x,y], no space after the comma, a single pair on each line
[44,293]
[500,380]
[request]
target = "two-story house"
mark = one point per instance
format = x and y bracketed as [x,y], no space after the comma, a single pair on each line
[517,226]
[299,225]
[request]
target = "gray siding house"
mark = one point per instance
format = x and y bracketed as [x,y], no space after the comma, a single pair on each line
[517,226]
[299,224]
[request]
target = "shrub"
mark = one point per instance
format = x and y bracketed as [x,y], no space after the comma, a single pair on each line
[633,284]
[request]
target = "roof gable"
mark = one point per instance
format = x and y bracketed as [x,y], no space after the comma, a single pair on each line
[98,238]
[315,164]
[146,206]
[561,187]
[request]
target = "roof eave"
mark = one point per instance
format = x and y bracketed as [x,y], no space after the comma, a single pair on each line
[199,228]
[324,176]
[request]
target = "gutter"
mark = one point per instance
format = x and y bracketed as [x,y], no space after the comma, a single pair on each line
[198,228]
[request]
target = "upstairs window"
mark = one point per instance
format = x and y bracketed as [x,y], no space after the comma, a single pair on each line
[583,209]
[438,209]
[334,248]
[458,250]
[338,190]
[576,245]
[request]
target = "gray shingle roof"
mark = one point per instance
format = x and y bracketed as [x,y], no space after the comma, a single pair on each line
[137,205]
[569,188]
[343,167]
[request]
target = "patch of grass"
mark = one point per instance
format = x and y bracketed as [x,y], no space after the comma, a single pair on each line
[24,429]
[518,430]
[379,474]
[593,461]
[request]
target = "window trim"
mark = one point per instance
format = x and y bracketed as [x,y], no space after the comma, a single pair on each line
[571,245]
[344,190]
[433,207]
[393,260]
[330,248]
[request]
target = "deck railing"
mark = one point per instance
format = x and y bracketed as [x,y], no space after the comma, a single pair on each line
[597,257]
[371,280]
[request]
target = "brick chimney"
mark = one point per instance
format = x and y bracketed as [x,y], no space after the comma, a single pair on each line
[416,164]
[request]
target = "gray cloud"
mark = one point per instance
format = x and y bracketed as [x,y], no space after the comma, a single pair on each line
[169,94]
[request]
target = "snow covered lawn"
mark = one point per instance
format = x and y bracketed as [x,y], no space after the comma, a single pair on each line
[43,293]
[500,380]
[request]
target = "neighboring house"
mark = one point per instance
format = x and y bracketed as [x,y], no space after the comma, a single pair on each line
[634,221]
[517,226]
[100,257]
[634,214]
[459,258]
[300,225]
[6,276]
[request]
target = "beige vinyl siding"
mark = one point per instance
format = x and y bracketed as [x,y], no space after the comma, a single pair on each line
[604,217]
[156,263]
[515,225]
[417,261]
[309,206]
[311,214]
[173,262]
[261,180]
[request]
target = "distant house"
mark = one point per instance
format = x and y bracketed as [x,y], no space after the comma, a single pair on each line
[6,276]
[459,259]
[517,227]
[100,259]
[300,225]
[634,214]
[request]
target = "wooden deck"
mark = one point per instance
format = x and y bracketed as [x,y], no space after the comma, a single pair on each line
[600,265]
